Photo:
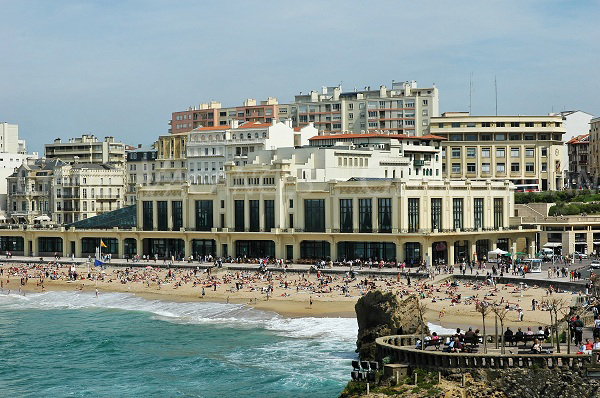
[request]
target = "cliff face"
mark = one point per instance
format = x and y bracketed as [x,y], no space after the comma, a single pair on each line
[382,314]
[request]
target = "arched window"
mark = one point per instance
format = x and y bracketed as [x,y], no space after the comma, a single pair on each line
[249,136]
[264,134]
[233,137]
[210,137]
[255,135]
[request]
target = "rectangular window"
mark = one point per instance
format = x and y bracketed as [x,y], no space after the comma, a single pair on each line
[384,208]
[528,124]
[500,168]
[529,152]
[365,215]
[254,215]
[471,152]
[457,212]
[163,215]
[455,168]
[529,167]
[436,213]
[515,152]
[269,215]
[485,152]
[413,214]
[239,215]
[500,137]
[456,153]
[478,212]
[314,215]
[291,203]
[177,214]
[514,167]
[471,168]
[498,212]
[544,166]
[346,224]
[500,152]
[515,137]
[204,215]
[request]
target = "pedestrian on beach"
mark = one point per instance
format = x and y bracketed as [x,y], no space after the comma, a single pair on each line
[310,301]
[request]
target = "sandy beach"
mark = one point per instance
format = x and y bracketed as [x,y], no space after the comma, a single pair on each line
[289,294]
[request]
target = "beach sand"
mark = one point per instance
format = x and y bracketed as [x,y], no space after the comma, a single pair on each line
[295,300]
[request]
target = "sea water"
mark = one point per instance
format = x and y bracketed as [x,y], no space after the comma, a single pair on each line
[71,344]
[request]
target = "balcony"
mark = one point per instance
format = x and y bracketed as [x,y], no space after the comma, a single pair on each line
[418,163]
[108,197]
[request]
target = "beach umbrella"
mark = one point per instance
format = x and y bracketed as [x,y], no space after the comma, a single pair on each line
[148,267]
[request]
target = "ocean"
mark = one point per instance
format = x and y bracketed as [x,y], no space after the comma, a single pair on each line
[72,344]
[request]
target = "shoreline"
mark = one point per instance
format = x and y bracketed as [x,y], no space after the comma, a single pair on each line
[290,294]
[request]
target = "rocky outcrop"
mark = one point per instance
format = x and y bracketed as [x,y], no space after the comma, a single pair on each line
[382,314]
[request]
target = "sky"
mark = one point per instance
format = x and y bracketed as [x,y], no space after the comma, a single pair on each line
[121,67]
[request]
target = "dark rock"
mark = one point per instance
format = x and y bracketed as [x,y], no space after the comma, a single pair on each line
[382,314]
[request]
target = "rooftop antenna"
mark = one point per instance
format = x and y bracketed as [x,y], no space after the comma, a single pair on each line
[496,87]
[470,90]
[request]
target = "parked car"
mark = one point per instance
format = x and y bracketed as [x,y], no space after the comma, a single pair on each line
[594,265]
[577,255]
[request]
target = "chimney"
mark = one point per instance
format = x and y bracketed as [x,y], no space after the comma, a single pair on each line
[139,145]
[288,122]
[235,124]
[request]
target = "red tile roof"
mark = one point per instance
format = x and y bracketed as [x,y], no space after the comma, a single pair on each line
[211,128]
[254,125]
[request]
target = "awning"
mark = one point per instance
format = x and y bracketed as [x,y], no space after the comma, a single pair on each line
[553,244]
[42,218]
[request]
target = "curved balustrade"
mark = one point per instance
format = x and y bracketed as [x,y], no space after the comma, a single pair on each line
[401,349]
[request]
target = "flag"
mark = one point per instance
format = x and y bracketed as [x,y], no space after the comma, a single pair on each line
[102,244]
[98,263]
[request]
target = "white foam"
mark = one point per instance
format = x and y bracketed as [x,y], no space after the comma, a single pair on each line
[234,315]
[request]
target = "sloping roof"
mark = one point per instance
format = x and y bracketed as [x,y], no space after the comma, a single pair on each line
[93,166]
[580,139]
[254,125]
[212,128]
[125,217]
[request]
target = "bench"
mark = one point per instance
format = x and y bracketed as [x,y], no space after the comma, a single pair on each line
[526,338]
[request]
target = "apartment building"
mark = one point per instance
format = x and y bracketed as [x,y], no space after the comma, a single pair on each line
[525,150]
[57,192]
[213,115]
[30,191]
[594,152]
[141,170]
[402,109]
[87,149]
[84,190]
[13,153]
[209,148]
[578,150]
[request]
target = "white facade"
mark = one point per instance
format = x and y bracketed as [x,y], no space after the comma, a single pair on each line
[84,190]
[576,123]
[13,153]
[209,148]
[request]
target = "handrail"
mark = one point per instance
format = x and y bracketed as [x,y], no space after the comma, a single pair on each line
[400,349]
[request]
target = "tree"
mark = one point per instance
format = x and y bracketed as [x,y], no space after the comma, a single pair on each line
[483,308]
[501,313]
[421,309]
[556,306]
